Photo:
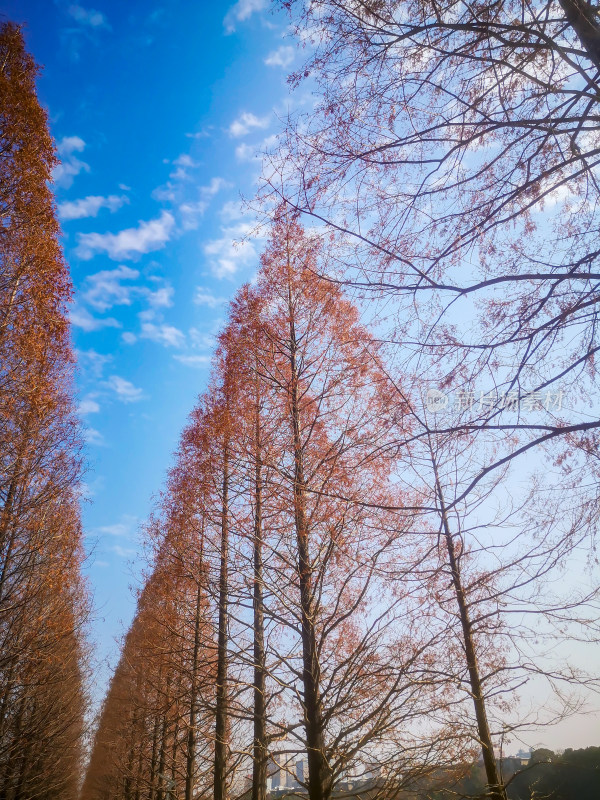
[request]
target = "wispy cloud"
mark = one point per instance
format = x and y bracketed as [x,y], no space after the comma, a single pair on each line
[162,333]
[246,122]
[216,185]
[241,11]
[90,206]
[87,16]
[160,298]
[129,243]
[92,362]
[88,406]
[248,152]
[81,318]
[204,297]
[107,290]
[182,164]
[65,172]
[123,552]
[196,361]
[93,437]
[124,529]
[124,389]
[227,254]
[282,57]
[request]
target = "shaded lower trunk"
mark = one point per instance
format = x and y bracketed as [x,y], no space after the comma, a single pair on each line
[320,778]
[190,764]
[259,754]
[222,710]
[496,789]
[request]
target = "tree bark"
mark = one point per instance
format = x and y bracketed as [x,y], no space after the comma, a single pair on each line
[259,756]
[320,779]
[190,766]
[222,710]
[584,21]
[496,787]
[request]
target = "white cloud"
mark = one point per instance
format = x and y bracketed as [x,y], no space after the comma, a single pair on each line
[69,145]
[282,57]
[90,206]
[191,210]
[81,318]
[125,390]
[204,297]
[93,437]
[185,160]
[164,334]
[232,210]
[202,340]
[92,362]
[229,252]
[88,16]
[123,552]
[88,406]
[246,152]
[190,213]
[203,134]
[161,298]
[123,529]
[194,360]
[241,11]
[216,185]
[129,338]
[247,122]
[129,243]
[106,290]
[64,173]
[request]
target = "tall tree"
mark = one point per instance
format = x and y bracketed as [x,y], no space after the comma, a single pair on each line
[43,605]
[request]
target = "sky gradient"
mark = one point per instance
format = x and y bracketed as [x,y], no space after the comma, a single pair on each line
[158,111]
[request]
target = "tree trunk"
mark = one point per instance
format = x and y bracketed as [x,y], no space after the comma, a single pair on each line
[584,21]
[259,763]
[495,784]
[320,779]
[190,765]
[221,712]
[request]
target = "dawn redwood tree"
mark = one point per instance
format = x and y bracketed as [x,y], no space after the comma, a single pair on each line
[43,605]
[363,666]
[240,352]
[505,555]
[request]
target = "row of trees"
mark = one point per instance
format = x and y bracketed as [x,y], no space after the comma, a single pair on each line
[385,582]
[43,602]
[317,592]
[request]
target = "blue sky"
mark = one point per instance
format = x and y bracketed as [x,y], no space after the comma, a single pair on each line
[158,110]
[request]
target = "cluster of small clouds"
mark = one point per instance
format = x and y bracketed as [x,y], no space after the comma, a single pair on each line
[118,537]
[130,243]
[90,206]
[85,26]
